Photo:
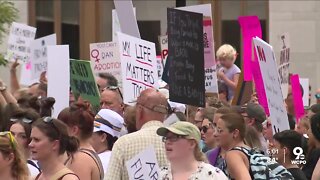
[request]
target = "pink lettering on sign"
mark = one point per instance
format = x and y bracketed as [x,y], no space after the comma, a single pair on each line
[250,27]
[297,97]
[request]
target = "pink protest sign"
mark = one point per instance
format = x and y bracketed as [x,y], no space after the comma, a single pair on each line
[250,27]
[297,97]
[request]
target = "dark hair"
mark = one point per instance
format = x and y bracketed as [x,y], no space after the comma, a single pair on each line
[112,81]
[235,121]
[57,130]
[315,126]
[28,101]
[110,139]
[78,115]
[46,105]
[289,139]
[7,112]
[292,123]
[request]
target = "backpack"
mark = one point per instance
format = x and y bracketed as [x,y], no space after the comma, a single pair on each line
[262,167]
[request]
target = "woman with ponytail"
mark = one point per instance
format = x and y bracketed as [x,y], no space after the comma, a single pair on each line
[50,140]
[12,163]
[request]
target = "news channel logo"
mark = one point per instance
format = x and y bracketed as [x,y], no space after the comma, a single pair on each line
[300,157]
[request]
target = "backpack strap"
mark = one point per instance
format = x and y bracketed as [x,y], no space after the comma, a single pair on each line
[96,159]
[33,164]
[213,155]
[63,172]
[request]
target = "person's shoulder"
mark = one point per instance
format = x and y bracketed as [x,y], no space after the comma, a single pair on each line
[70,177]
[236,68]
[210,170]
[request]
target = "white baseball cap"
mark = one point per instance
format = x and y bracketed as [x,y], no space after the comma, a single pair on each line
[108,121]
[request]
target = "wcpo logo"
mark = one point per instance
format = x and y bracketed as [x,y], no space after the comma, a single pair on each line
[300,158]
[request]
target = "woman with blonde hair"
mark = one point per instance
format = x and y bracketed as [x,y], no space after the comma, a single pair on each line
[12,162]
[186,159]
[229,73]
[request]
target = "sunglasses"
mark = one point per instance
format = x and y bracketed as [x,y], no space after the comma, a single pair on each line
[317,96]
[206,128]
[9,135]
[114,88]
[25,120]
[50,120]
[172,138]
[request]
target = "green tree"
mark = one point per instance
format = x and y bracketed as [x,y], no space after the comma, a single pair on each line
[8,14]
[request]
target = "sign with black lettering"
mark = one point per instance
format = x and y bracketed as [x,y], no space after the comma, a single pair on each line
[186,57]
[284,64]
[83,83]
[138,66]
[144,165]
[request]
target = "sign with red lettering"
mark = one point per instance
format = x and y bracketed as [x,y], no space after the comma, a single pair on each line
[105,58]
[138,66]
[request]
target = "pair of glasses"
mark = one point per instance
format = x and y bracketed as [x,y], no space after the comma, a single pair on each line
[171,138]
[114,88]
[25,120]
[9,135]
[317,96]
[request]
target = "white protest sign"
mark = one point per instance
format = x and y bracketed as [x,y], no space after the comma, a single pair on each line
[144,165]
[116,24]
[58,74]
[270,76]
[39,54]
[19,41]
[164,48]
[284,64]
[159,66]
[138,66]
[105,59]
[211,82]
[127,19]
[305,85]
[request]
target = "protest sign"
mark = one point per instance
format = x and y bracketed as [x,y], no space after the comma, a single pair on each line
[305,85]
[19,41]
[138,65]
[297,97]
[83,83]
[250,27]
[58,74]
[159,66]
[164,48]
[116,24]
[105,59]
[39,54]
[127,19]
[144,165]
[284,64]
[25,75]
[186,57]
[271,83]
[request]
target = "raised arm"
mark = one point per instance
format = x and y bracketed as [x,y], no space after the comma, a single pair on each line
[13,77]
[6,94]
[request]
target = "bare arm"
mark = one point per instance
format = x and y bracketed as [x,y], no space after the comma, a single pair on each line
[13,77]
[237,168]
[3,101]
[231,83]
[6,94]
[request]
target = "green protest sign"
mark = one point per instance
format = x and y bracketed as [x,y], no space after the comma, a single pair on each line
[83,82]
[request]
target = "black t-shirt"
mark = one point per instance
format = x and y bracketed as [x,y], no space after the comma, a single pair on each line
[311,163]
[297,174]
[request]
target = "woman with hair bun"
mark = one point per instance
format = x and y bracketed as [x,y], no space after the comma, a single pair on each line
[49,140]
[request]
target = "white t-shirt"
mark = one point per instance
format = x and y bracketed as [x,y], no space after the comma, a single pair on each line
[33,170]
[105,157]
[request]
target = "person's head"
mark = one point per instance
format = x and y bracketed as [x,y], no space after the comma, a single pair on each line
[21,126]
[303,126]
[79,120]
[49,137]
[6,114]
[130,118]
[231,129]
[285,142]
[317,95]
[11,158]
[105,80]
[289,102]
[151,105]
[221,111]
[33,89]
[181,141]
[207,127]
[267,130]
[254,115]
[111,98]
[198,117]
[20,93]
[314,131]
[46,106]
[315,108]
[28,101]
[226,55]
[107,127]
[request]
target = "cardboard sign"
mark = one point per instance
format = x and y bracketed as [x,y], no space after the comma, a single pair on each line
[270,76]
[186,57]
[144,165]
[58,74]
[305,85]
[83,82]
[116,24]
[39,54]
[284,64]
[138,64]
[297,97]
[19,41]
[250,27]
[105,59]
[127,19]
